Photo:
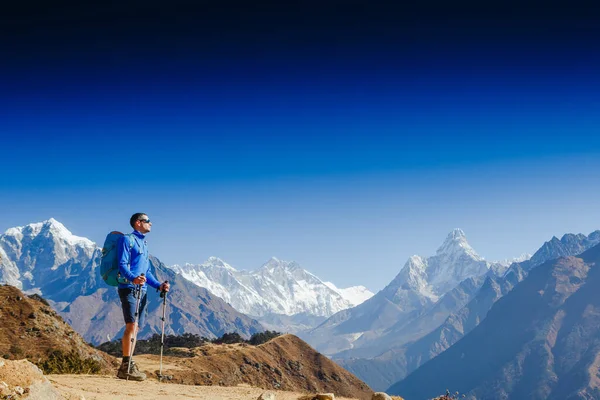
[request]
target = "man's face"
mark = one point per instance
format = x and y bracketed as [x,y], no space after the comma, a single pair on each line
[143,224]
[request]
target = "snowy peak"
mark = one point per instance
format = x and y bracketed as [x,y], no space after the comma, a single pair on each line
[282,271]
[507,262]
[354,294]
[274,263]
[569,244]
[413,275]
[277,287]
[431,277]
[416,263]
[215,262]
[50,228]
[456,245]
[43,254]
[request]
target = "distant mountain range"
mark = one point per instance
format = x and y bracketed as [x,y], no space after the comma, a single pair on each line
[539,341]
[396,362]
[46,258]
[418,300]
[278,291]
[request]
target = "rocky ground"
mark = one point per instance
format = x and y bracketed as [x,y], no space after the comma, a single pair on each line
[94,387]
[283,363]
[21,379]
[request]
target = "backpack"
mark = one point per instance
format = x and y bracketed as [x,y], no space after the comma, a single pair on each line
[109,264]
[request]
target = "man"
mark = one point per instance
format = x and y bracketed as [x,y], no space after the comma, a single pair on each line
[134,272]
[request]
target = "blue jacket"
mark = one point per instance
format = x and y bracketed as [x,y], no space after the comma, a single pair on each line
[133,260]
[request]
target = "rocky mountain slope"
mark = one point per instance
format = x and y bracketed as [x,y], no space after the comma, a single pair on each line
[397,362]
[46,258]
[540,341]
[421,283]
[283,363]
[30,329]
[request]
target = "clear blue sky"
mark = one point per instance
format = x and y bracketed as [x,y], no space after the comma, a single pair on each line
[346,139]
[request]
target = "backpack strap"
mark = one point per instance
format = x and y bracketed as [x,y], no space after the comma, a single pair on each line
[121,279]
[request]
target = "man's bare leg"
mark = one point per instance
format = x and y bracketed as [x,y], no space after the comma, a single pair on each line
[126,341]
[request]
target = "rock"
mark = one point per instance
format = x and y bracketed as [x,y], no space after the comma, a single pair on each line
[4,390]
[325,396]
[380,396]
[20,377]
[266,396]
[1,363]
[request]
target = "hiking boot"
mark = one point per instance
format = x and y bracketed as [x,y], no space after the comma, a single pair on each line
[134,373]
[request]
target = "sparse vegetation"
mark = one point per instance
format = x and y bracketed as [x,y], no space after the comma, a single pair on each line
[59,362]
[39,298]
[152,344]
[263,337]
[16,351]
[229,338]
[255,340]
[187,340]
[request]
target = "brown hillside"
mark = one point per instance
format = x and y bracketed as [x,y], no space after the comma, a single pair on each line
[31,329]
[284,363]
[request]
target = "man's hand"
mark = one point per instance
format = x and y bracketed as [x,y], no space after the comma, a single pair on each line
[140,280]
[164,287]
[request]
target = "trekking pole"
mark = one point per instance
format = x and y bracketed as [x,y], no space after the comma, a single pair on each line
[135,321]
[163,294]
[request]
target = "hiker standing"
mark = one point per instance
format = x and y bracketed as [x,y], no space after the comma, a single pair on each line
[134,275]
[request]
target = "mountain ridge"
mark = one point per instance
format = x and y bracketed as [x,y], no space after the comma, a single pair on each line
[421,282]
[545,335]
[47,259]
[290,288]
[388,367]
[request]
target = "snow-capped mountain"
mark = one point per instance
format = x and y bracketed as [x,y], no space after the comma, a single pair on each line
[43,256]
[569,244]
[535,343]
[394,363]
[507,262]
[278,287]
[354,294]
[431,277]
[417,288]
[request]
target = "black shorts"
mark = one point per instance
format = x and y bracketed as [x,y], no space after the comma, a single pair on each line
[128,303]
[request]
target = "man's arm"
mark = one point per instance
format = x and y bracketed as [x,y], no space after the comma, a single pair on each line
[124,254]
[151,280]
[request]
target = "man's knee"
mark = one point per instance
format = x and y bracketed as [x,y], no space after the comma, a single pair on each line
[130,327]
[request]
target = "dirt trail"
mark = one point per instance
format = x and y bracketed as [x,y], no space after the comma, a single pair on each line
[95,387]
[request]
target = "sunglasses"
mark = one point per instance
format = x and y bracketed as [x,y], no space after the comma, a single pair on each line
[145,220]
